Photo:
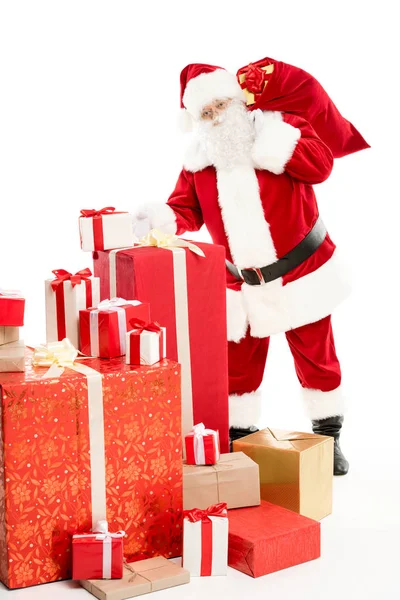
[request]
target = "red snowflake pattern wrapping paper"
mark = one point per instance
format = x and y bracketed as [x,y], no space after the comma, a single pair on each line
[45,479]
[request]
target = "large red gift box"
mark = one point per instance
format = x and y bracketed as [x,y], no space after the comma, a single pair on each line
[187,295]
[267,538]
[80,445]
[103,329]
[12,308]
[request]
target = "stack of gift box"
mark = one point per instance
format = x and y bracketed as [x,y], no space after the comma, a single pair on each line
[92,481]
[12,349]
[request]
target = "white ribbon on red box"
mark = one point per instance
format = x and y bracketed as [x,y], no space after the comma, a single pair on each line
[199,432]
[115,305]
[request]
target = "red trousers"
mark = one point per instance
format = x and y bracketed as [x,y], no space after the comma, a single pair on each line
[315,360]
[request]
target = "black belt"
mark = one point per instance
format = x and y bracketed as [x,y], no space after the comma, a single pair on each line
[294,258]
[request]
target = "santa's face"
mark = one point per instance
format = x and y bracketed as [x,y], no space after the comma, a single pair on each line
[225,130]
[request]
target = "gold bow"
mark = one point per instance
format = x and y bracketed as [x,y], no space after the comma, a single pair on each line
[166,240]
[61,353]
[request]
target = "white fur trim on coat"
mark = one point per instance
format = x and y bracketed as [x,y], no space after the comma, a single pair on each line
[275,142]
[248,232]
[245,409]
[159,216]
[205,88]
[321,405]
[273,308]
[237,318]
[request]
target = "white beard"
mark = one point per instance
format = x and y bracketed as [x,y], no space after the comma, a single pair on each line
[228,144]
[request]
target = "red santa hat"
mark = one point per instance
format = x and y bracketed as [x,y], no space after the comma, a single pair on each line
[200,85]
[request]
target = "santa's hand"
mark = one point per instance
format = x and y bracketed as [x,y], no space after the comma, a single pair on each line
[258,120]
[153,216]
[141,223]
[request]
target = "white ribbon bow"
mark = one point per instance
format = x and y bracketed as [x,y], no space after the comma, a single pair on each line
[114,302]
[10,293]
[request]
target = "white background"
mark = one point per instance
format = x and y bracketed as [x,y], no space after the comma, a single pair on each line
[89,95]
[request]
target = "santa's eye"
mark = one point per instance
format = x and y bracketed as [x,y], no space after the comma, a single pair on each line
[221,104]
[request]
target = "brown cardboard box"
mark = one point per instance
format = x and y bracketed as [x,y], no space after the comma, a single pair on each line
[234,480]
[12,357]
[296,469]
[139,578]
[8,334]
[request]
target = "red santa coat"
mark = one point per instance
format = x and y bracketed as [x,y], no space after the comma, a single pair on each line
[259,212]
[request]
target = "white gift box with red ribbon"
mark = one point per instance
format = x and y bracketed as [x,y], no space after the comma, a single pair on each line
[146,344]
[105,229]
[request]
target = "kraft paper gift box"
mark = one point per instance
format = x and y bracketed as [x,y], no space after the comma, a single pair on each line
[296,469]
[187,295]
[105,229]
[12,308]
[205,541]
[234,479]
[268,538]
[66,295]
[146,344]
[98,554]
[139,578]
[103,329]
[12,357]
[8,334]
[202,446]
[99,440]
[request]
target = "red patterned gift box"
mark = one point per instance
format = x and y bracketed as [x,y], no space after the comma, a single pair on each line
[187,295]
[12,308]
[48,490]
[267,538]
[103,329]
[202,446]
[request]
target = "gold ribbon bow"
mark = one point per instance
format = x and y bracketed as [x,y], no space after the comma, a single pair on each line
[166,240]
[56,356]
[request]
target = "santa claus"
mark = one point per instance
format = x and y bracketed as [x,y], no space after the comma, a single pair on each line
[248,176]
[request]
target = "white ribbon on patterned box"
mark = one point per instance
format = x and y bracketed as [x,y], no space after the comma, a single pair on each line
[100,532]
[177,247]
[114,305]
[57,356]
[199,433]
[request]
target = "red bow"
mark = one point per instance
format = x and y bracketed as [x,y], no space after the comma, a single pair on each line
[91,212]
[255,78]
[140,325]
[216,510]
[63,275]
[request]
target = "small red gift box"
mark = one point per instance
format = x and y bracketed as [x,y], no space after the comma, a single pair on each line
[103,329]
[146,344]
[267,538]
[205,540]
[105,229]
[98,555]
[12,308]
[202,446]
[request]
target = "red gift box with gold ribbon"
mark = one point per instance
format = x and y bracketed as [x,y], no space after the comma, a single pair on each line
[102,440]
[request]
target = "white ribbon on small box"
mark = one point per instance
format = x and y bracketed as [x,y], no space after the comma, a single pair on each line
[115,305]
[199,433]
[100,532]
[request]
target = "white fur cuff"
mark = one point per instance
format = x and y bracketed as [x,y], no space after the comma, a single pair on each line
[274,144]
[321,405]
[245,409]
[160,216]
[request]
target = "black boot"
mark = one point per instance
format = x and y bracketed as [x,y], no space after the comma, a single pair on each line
[332,427]
[236,433]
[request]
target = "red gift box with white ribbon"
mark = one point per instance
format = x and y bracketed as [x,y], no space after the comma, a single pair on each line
[105,229]
[202,446]
[103,329]
[205,541]
[12,308]
[66,295]
[98,555]
[146,344]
